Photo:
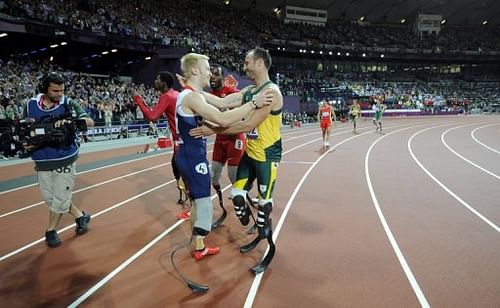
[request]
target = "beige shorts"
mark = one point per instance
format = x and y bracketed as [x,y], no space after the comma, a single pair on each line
[56,187]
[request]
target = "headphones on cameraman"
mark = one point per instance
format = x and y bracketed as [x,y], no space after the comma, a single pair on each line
[49,78]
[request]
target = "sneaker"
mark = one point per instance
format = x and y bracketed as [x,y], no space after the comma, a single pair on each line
[327,144]
[82,223]
[208,251]
[183,215]
[52,239]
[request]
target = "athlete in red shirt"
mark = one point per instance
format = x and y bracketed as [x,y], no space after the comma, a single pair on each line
[227,148]
[325,113]
[166,105]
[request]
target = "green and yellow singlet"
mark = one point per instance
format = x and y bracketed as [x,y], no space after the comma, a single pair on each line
[264,142]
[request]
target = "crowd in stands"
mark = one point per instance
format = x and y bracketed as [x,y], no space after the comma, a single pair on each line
[224,32]
[225,36]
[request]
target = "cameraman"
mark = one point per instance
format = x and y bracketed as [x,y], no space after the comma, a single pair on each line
[55,163]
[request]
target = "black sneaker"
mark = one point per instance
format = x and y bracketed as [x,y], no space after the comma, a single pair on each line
[82,223]
[52,239]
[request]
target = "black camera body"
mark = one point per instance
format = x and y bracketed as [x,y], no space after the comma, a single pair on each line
[15,135]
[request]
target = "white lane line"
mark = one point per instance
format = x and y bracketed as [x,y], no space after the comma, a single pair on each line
[401,258]
[465,204]
[91,170]
[258,277]
[461,156]
[297,162]
[127,262]
[477,140]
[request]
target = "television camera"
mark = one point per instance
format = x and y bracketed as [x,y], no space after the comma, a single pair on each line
[18,135]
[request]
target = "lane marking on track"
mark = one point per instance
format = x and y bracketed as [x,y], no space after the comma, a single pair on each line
[127,262]
[399,254]
[258,277]
[465,204]
[296,162]
[477,140]
[461,156]
[23,248]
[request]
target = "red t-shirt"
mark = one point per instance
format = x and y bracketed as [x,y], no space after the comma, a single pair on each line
[166,105]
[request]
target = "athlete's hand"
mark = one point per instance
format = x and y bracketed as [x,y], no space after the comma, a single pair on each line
[264,99]
[181,79]
[201,131]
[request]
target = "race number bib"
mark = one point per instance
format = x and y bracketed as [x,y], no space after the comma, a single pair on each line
[238,144]
[201,168]
[254,134]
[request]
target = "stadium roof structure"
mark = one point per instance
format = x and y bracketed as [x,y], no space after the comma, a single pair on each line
[456,12]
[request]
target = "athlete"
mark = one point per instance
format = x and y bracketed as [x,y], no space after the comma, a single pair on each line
[325,114]
[354,113]
[378,110]
[165,106]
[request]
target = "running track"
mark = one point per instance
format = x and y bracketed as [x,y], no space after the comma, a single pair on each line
[406,219]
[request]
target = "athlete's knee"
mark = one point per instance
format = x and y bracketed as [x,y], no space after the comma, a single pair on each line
[232,171]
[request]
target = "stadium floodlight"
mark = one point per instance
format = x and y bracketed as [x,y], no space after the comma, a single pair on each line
[382,55]
[485,22]
[338,53]
[330,53]
[64,43]
[114,50]
[364,54]
[347,54]
[403,20]
[3,34]
[147,58]
[362,18]
[443,21]
[104,52]
[54,46]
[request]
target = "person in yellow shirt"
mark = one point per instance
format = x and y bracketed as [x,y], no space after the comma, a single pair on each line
[354,113]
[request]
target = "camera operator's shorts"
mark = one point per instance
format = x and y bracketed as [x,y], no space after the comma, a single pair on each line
[56,187]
